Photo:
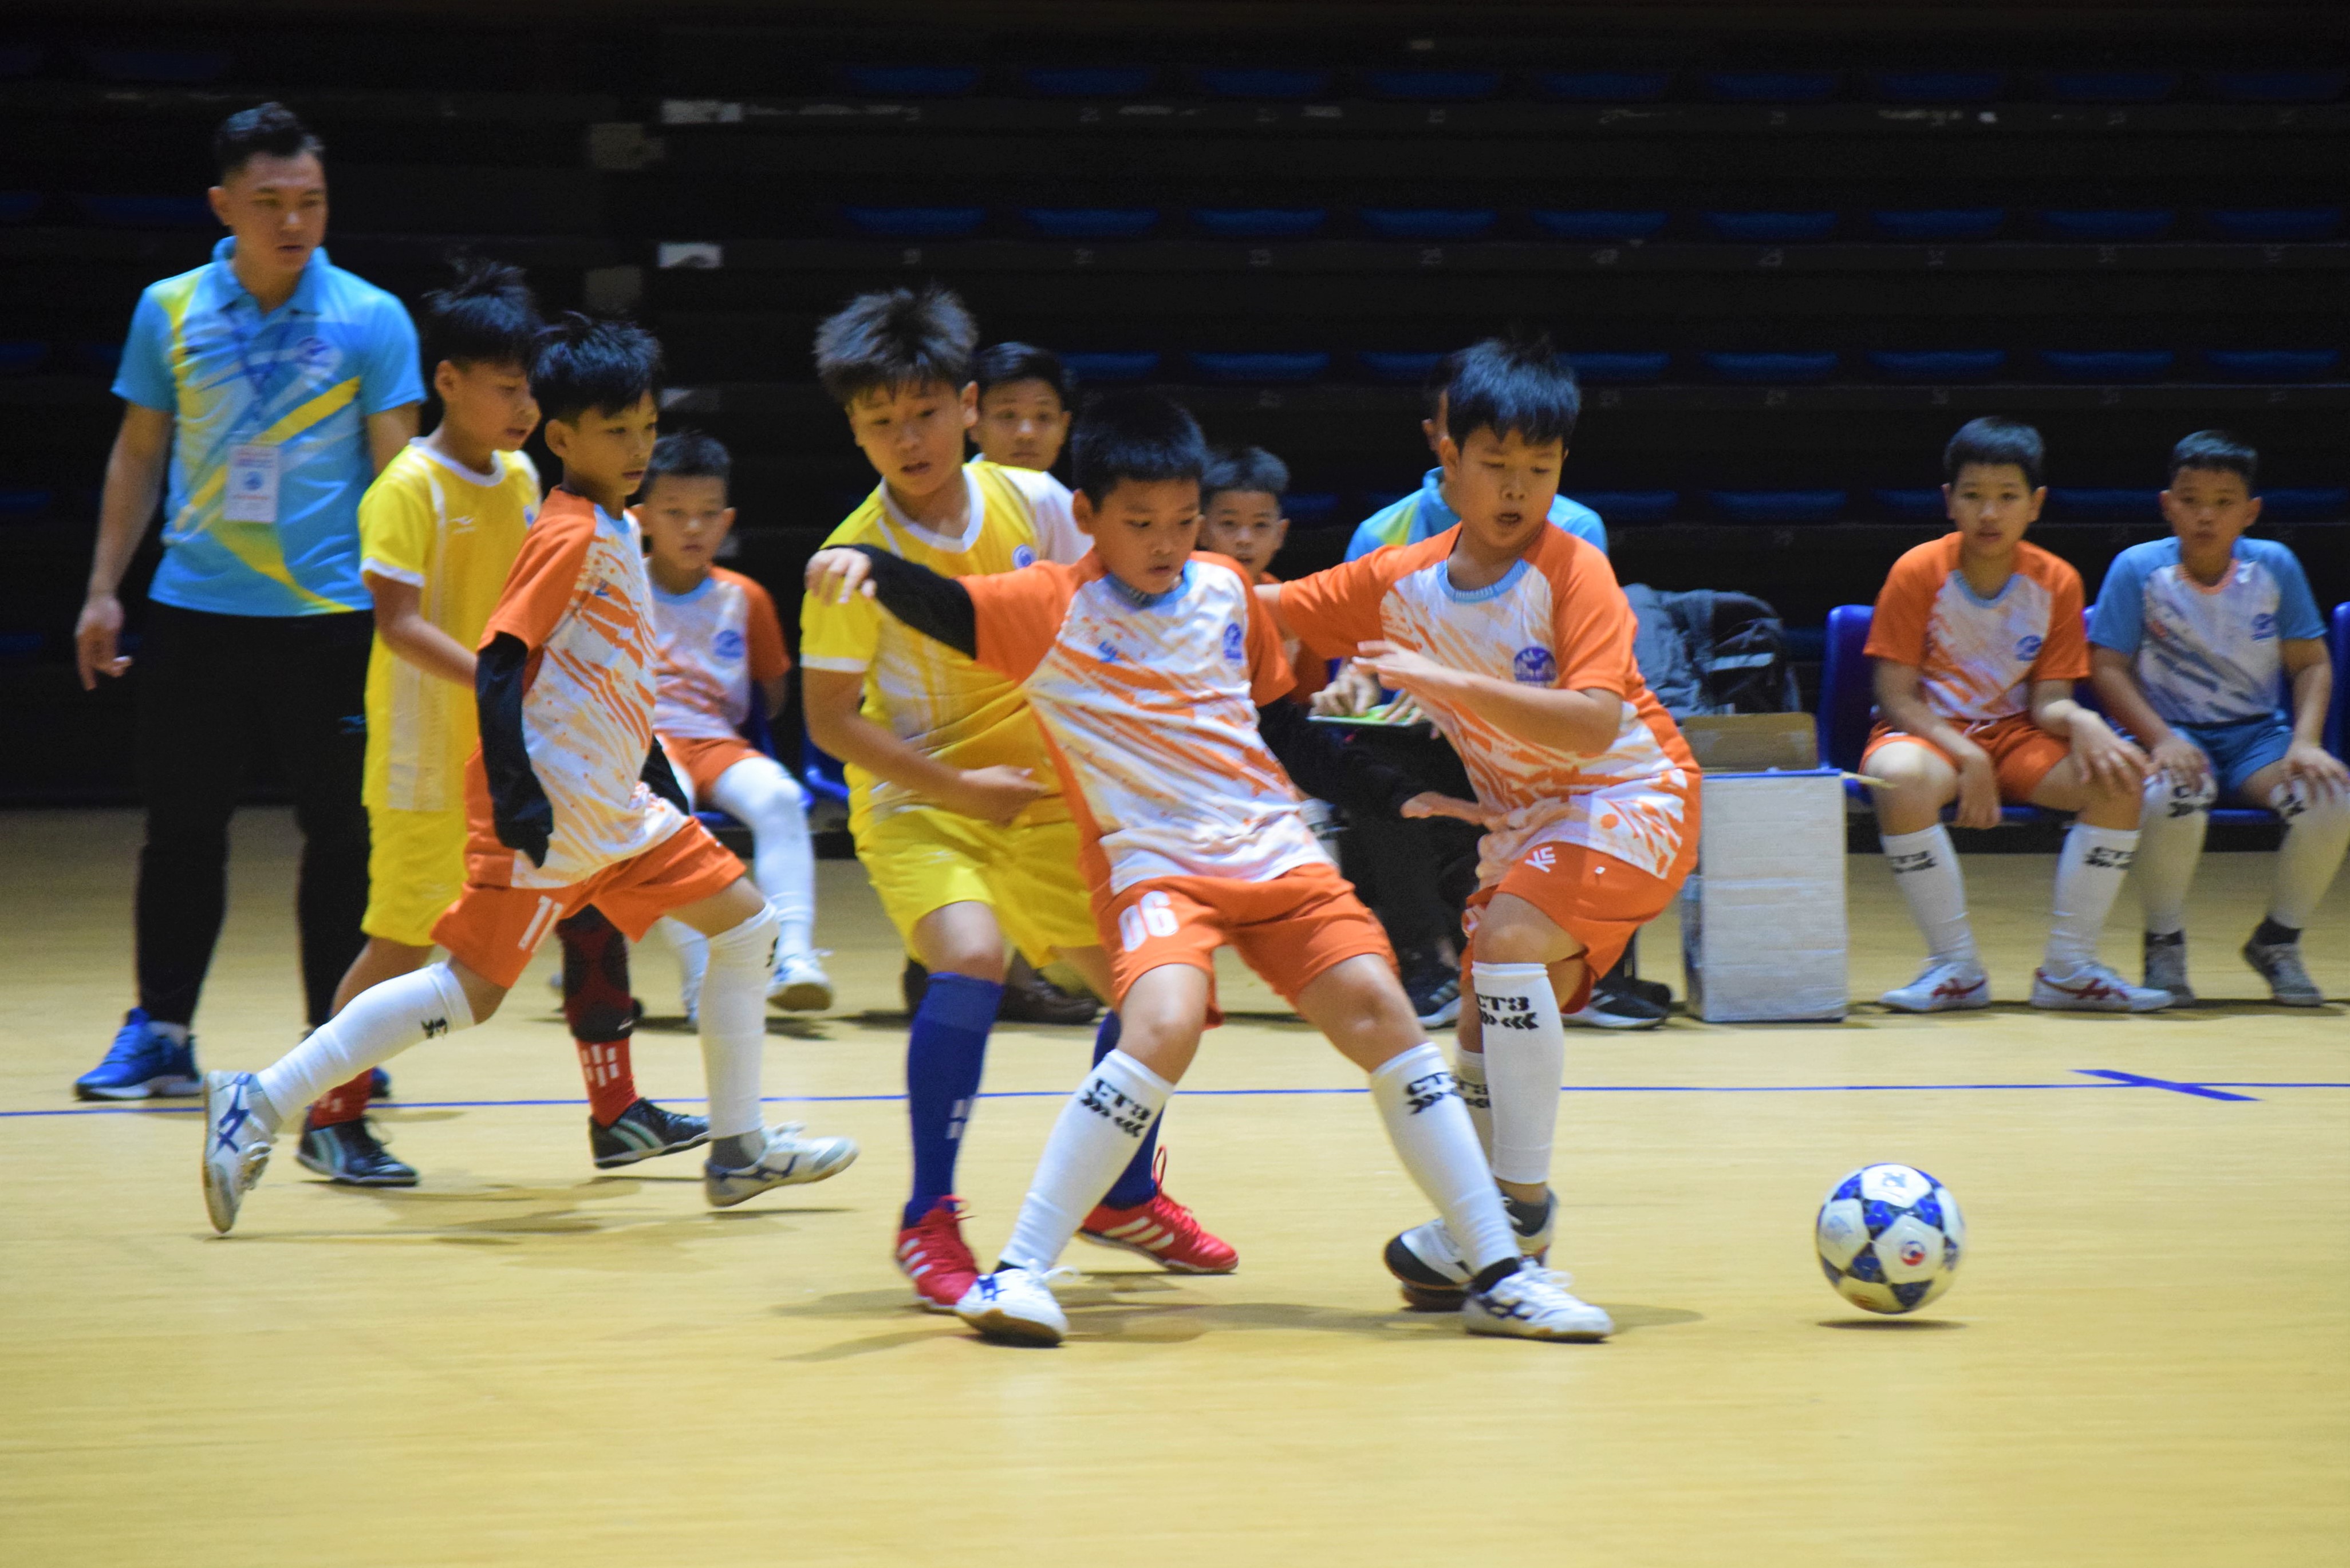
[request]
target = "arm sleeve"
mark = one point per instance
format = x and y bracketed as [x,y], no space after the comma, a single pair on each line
[389,375]
[769,661]
[939,607]
[519,810]
[2297,616]
[661,779]
[540,587]
[1897,630]
[144,376]
[1019,614]
[2064,651]
[1594,626]
[842,637]
[1322,765]
[395,529]
[2118,622]
[1333,611]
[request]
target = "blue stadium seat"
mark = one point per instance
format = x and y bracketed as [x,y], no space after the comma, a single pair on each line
[2275,87]
[1311,508]
[23,500]
[2103,505]
[20,647]
[1432,86]
[1771,228]
[98,359]
[1428,223]
[2308,503]
[1380,500]
[1092,223]
[910,82]
[17,206]
[1618,508]
[2107,364]
[1940,222]
[1847,700]
[1938,87]
[1257,368]
[1603,86]
[1278,83]
[21,59]
[22,356]
[1937,365]
[181,65]
[820,771]
[2274,364]
[2274,223]
[1261,222]
[146,212]
[2337,726]
[917,223]
[1089,81]
[2112,225]
[1407,365]
[1619,368]
[1778,505]
[1113,364]
[1564,224]
[1773,368]
[1923,505]
[2110,87]
[1773,86]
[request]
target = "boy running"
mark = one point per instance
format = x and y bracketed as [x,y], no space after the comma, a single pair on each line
[439,529]
[1977,642]
[721,649]
[968,848]
[2194,636]
[1515,638]
[1147,667]
[568,801]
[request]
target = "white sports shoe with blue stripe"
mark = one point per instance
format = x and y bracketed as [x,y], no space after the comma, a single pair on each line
[790,1160]
[1533,1304]
[1016,1306]
[237,1143]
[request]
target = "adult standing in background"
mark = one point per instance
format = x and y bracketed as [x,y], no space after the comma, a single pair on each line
[273,385]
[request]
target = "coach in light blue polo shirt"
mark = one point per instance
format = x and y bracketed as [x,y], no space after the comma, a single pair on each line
[270,386]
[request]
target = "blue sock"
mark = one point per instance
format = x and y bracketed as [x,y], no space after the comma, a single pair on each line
[1135,1184]
[944,1054]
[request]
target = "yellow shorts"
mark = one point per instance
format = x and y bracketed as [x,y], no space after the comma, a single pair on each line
[416,869]
[922,860]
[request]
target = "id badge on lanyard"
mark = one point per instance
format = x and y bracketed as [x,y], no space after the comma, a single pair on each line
[250,495]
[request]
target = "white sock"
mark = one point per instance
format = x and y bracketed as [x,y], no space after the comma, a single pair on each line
[1430,1129]
[177,1033]
[692,951]
[1468,1072]
[2170,847]
[1926,869]
[1098,1130]
[2317,832]
[1525,1057]
[733,1023]
[377,1025]
[2088,877]
[769,801]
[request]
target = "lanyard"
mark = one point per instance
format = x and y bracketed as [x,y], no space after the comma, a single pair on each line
[257,376]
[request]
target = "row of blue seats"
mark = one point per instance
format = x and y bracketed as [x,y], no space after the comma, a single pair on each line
[25,355]
[1924,366]
[1593,225]
[1848,707]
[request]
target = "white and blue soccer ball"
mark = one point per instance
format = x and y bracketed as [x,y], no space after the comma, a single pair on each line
[1890,1237]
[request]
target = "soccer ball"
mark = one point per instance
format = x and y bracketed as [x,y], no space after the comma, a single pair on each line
[1890,1238]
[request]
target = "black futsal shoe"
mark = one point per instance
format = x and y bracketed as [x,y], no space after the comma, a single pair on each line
[644,1131]
[349,1153]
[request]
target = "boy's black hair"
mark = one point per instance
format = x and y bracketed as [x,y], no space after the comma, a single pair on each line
[999,363]
[487,317]
[585,364]
[268,128]
[895,338]
[1432,386]
[1135,435]
[1251,468]
[1992,440]
[1511,385]
[688,454]
[2218,452]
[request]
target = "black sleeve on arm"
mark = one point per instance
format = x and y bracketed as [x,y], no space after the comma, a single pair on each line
[1349,777]
[662,779]
[523,816]
[939,607]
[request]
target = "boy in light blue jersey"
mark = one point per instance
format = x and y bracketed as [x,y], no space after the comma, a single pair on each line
[2194,642]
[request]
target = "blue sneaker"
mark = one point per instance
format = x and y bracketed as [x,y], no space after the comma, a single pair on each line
[141,1062]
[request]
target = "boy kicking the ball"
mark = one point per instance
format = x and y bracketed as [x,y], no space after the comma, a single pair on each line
[569,802]
[1147,667]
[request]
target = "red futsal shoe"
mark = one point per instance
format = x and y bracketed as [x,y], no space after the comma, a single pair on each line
[1164,1231]
[931,1253]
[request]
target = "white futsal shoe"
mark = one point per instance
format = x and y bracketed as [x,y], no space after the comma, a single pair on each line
[237,1143]
[1533,1304]
[1944,985]
[1433,1271]
[790,1160]
[800,984]
[2094,988]
[1016,1306]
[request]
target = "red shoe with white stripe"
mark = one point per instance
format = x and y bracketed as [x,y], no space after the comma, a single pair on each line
[1164,1231]
[932,1254]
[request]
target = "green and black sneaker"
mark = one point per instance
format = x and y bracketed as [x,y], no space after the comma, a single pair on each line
[644,1131]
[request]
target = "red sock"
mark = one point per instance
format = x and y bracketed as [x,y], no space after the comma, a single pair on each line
[600,1009]
[343,1103]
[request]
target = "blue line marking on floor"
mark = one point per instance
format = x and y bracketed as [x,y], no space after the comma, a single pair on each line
[2137,1080]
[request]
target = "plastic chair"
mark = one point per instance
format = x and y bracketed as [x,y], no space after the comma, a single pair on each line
[1113,365]
[2275,87]
[1261,222]
[2312,504]
[821,771]
[22,356]
[2114,225]
[18,206]
[1273,82]
[1773,368]
[183,66]
[1940,222]
[1310,508]
[2111,87]
[1939,365]
[1599,225]
[146,212]
[1411,367]
[2107,364]
[1428,223]
[1603,86]
[1620,368]
[2274,364]
[1922,506]
[2284,224]
[2337,726]
[2104,506]
[1616,507]
[1262,368]
[1771,228]
[1092,223]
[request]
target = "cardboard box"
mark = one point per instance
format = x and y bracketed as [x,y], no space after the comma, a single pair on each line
[1752,743]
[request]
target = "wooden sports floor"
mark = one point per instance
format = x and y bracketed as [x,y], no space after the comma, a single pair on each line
[2147,1360]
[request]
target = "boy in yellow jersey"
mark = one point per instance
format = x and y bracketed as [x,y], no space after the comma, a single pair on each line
[967,842]
[439,531]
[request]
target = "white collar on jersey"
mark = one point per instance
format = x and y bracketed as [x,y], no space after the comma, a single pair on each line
[974,518]
[498,470]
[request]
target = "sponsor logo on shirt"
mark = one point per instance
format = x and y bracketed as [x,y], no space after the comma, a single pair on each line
[1022,555]
[317,359]
[1107,651]
[727,644]
[1535,667]
[1235,644]
[2263,626]
[2027,648]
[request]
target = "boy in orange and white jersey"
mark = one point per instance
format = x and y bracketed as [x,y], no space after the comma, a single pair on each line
[1147,668]
[1977,642]
[721,649]
[1515,639]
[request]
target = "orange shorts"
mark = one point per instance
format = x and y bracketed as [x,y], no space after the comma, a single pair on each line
[1291,930]
[1587,893]
[495,929]
[704,760]
[2022,752]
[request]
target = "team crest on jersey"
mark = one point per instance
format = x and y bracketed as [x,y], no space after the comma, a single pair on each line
[1535,665]
[1022,555]
[2027,648]
[1235,643]
[317,358]
[2263,628]
[727,644]
[1107,651]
